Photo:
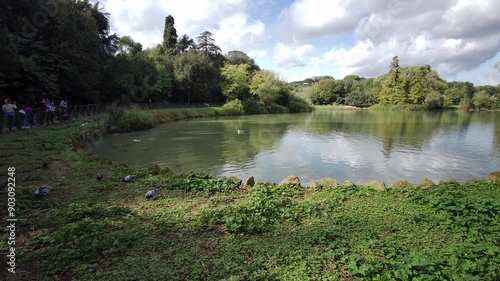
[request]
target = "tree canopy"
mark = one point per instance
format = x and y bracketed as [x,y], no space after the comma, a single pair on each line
[65,49]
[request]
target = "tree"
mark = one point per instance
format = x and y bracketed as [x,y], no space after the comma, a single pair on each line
[269,87]
[323,92]
[434,100]
[239,57]
[236,81]
[394,70]
[185,43]
[352,77]
[361,99]
[482,100]
[169,35]
[196,76]
[127,45]
[207,44]
[458,91]
[164,83]
[412,85]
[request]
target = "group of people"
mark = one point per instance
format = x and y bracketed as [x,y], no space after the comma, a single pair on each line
[25,117]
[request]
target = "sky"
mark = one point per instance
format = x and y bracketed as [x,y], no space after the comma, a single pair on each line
[304,38]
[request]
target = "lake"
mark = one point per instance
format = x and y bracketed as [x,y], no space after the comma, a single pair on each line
[358,145]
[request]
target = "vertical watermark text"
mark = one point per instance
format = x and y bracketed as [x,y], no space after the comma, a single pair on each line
[11,220]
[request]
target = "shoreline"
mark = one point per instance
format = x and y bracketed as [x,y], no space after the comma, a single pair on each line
[82,140]
[94,229]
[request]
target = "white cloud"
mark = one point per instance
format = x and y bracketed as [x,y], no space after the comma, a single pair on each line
[309,18]
[235,32]
[337,36]
[257,53]
[290,56]
[460,40]
[144,20]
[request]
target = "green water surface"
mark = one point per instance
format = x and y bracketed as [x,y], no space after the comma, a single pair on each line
[358,145]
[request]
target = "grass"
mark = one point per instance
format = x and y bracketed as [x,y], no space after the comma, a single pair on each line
[337,107]
[126,120]
[206,228]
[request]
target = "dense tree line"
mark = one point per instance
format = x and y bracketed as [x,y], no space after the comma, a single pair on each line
[414,87]
[64,49]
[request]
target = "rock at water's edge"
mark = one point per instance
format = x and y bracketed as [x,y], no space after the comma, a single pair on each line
[376,185]
[493,177]
[400,184]
[236,180]
[315,185]
[293,180]
[348,183]
[473,181]
[250,182]
[329,182]
[427,183]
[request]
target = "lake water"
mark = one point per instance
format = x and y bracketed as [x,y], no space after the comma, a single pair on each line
[358,145]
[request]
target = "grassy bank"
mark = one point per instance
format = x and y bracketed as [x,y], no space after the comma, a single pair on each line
[125,120]
[204,228]
[337,107]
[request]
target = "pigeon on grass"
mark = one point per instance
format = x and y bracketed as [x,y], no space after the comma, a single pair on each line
[152,193]
[129,178]
[39,193]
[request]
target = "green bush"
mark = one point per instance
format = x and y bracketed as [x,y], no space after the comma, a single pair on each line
[201,183]
[465,104]
[434,100]
[483,101]
[131,120]
[115,113]
[276,108]
[297,104]
[253,106]
[361,99]
[268,205]
[233,107]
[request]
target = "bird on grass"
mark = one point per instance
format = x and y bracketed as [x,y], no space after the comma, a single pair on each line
[129,178]
[40,192]
[45,164]
[99,176]
[241,132]
[152,193]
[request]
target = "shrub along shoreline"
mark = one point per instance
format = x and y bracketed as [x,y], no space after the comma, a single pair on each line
[207,228]
[126,120]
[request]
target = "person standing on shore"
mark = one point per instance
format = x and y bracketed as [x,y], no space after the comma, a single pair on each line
[9,111]
[63,106]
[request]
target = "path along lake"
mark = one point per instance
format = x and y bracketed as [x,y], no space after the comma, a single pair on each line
[358,145]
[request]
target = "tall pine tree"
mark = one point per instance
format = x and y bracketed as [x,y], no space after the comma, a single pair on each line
[169,35]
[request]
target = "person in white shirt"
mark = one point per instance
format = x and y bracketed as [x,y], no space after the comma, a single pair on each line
[63,105]
[9,111]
